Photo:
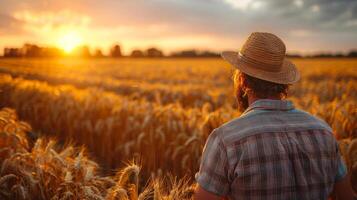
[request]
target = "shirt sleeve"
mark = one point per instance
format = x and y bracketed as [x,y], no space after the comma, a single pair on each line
[341,167]
[212,175]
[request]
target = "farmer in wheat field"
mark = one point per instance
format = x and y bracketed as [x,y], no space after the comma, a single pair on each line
[273,150]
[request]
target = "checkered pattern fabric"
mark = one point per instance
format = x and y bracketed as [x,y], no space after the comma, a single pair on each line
[273,151]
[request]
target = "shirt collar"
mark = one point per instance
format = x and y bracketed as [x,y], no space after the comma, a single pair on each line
[270,104]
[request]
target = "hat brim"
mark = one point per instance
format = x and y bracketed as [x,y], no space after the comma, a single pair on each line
[287,75]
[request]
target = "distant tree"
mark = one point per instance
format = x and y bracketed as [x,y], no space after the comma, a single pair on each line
[12,52]
[339,55]
[137,53]
[115,51]
[81,51]
[185,53]
[352,54]
[293,56]
[51,52]
[98,53]
[194,53]
[208,54]
[153,52]
[30,50]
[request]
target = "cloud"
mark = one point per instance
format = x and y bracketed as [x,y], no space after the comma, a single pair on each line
[315,8]
[51,21]
[301,33]
[220,23]
[9,25]
[299,3]
[245,4]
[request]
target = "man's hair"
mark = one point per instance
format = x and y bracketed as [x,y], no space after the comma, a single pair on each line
[261,88]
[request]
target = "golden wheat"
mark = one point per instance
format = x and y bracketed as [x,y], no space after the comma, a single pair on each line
[157,111]
[45,171]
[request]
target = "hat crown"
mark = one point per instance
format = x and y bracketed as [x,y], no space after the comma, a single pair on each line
[265,49]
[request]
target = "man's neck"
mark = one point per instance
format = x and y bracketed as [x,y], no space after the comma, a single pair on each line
[251,99]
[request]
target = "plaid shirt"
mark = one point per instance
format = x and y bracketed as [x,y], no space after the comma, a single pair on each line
[272,151]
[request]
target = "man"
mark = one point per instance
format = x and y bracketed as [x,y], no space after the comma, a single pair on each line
[272,151]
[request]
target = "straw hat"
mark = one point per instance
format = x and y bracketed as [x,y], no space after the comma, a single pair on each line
[263,56]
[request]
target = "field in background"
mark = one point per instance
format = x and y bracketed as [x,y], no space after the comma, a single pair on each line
[157,111]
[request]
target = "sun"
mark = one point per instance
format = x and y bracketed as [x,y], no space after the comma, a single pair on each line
[69,41]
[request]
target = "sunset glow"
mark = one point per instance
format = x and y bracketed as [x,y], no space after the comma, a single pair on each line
[69,41]
[172,25]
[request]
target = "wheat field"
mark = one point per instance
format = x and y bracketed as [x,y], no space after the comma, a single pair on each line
[86,118]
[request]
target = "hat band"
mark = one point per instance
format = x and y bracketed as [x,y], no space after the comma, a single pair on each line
[259,65]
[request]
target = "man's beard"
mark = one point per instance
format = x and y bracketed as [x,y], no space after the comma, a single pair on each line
[242,99]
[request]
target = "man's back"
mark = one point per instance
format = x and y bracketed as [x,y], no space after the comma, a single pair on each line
[272,151]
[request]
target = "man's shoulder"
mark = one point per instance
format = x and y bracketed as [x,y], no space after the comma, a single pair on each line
[313,118]
[269,121]
[245,120]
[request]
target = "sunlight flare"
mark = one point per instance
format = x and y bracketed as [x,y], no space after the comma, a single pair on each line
[69,41]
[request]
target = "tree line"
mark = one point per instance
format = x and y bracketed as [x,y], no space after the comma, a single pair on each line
[32,50]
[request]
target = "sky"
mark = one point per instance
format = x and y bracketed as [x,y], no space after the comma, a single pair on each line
[306,26]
